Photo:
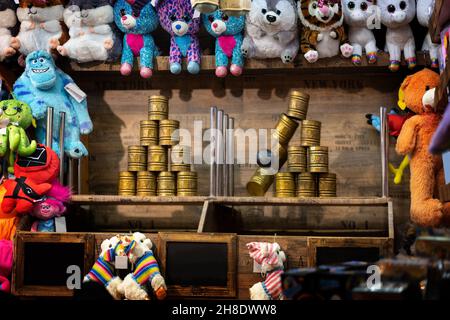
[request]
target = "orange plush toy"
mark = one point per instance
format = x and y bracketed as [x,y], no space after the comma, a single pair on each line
[426,169]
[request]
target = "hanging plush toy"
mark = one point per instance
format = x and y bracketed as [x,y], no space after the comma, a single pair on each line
[6,264]
[358,15]
[425,9]
[228,33]
[177,18]
[7,21]
[52,206]
[43,85]
[271,259]
[396,16]
[271,30]
[15,118]
[323,33]
[137,19]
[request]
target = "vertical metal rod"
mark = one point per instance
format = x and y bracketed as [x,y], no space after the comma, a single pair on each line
[62,123]
[225,150]
[219,153]
[212,165]
[49,133]
[230,156]
[71,179]
[384,136]
[79,176]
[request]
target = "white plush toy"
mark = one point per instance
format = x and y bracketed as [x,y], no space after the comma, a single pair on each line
[358,15]
[396,16]
[271,30]
[424,10]
[7,21]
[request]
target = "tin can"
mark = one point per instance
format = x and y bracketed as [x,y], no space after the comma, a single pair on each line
[235,7]
[205,6]
[137,158]
[327,185]
[167,136]
[284,185]
[310,134]
[306,185]
[180,158]
[267,158]
[166,184]
[146,184]
[297,160]
[127,183]
[157,158]
[158,108]
[187,183]
[149,133]
[318,159]
[285,129]
[298,105]
[260,182]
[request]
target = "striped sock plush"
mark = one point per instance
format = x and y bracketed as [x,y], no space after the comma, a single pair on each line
[103,269]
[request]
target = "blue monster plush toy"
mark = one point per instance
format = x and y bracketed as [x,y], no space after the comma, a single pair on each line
[228,31]
[43,85]
[137,19]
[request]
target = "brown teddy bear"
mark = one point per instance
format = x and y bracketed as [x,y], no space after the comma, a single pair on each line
[426,169]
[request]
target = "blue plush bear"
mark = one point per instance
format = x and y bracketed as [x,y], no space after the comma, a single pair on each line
[137,19]
[228,31]
[43,85]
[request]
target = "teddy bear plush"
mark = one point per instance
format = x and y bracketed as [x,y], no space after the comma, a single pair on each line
[357,15]
[271,30]
[91,31]
[396,16]
[8,21]
[177,18]
[228,33]
[424,10]
[137,19]
[41,85]
[414,139]
[323,34]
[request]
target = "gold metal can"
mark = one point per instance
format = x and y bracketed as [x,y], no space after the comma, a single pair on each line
[284,185]
[318,159]
[127,183]
[180,158]
[235,7]
[260,182]
[298,105]
[167,136]
[187,183]
[158,108]
[297,160]
[327,185]
[306,185]
[146,184]
[149,133]
[310,133]
[285,129]
[157,159]
[137,158]
[166,184]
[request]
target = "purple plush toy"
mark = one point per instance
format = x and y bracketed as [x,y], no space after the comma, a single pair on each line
[177,18]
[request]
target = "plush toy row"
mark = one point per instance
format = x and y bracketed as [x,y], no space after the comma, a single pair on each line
[271,31]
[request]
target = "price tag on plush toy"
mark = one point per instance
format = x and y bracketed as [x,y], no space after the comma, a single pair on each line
[60,224]
[121,262]
[75,92]
[256,267]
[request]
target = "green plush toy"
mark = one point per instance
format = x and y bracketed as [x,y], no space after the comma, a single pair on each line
[15,118]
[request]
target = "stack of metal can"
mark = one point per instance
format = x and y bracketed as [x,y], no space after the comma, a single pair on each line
[159,166]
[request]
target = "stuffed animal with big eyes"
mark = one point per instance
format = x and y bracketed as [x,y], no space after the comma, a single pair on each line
[358,15]
[91,30]
[396,16]
[228,33]
[177,18]
[7,22]
[425,9]
[137,19]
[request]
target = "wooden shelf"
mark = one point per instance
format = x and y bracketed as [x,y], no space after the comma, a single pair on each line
[135,200]
[440,95]
[440,16]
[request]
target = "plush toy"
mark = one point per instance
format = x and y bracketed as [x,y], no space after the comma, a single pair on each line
[8,222]
[323,33]
[177,18]
[7,21]
[228,33]
[91,30]
[52,206]
[41,26]
[43,85]
[357,15]
[396,16]
[205,6]
[271,259]
[137,19]
[271,30]
[146,270]
[6,264]
[15,118]
[414,140]
[425,9]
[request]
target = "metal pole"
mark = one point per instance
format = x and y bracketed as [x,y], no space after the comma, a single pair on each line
[79,176]
[230,156]
[71,175]
[62,123]
[384,136]
[49,133]
[219,153]
[225,157]
[212,165]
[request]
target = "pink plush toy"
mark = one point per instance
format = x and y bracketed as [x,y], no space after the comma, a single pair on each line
[6,263]
[53,206]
